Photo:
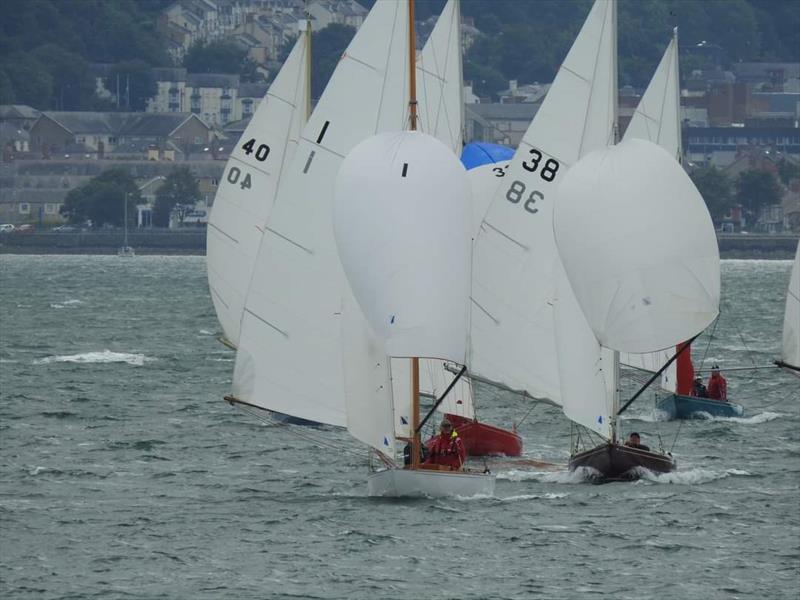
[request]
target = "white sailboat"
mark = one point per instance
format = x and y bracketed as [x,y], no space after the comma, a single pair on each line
[126,250]
[290,349]
[790,347]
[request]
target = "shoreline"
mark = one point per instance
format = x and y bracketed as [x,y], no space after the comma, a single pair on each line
[192,242]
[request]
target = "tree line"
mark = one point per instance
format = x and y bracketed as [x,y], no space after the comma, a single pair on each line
[46,46]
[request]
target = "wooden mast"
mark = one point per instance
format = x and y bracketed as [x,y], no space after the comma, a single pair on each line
[412,106]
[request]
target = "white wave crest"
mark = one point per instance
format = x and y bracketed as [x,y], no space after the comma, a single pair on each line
[524,497]
[754,420]
[106,356]
[692,476]
[65,303]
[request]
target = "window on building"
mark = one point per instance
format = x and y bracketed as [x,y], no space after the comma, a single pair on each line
[50,208]
[24,208]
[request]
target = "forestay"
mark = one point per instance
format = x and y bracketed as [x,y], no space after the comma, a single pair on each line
[401,222]
[619,211]
[515,258]
[249,186]
[791,319]
[291,326]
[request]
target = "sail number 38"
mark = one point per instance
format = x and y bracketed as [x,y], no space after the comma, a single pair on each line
[516,192]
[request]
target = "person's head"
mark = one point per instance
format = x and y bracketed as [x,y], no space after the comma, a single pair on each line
[698,379]
[715,370]
[446,427]
[634,438]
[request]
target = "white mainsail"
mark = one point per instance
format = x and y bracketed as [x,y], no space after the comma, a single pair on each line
[516,264]
[619,211]
[791,321]
[658,116]
[249,186]
[440,88]
[291,324]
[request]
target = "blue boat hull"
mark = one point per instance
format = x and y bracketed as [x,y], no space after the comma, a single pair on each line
[690,407]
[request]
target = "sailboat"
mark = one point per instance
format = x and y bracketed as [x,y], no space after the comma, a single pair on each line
[126,250]
[790,348]
[657,119]
[529,330]
[290,348]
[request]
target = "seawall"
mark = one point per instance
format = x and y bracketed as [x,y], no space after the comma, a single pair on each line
[193,241]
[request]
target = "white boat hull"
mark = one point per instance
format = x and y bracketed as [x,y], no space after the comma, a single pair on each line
[398,483]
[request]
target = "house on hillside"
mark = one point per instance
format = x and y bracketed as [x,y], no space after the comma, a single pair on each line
[99,135]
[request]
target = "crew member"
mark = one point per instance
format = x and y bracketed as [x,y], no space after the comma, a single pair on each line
[634,441]
[446,448]
[717,385]
[698,389]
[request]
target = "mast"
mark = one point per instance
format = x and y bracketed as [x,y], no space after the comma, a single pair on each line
[125,243]
[412,106]
[615,105]
[461,106]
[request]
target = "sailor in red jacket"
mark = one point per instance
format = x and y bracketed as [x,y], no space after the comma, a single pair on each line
[446,448]
[717,386]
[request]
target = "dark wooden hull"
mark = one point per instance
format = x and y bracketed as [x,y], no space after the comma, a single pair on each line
[614,462]
[480,439]
[677,406]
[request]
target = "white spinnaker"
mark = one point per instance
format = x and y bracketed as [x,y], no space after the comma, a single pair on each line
[658,117]
[440,82]
[587,382]
[791,320]
[620,211]
[291,327]
[401,222]
[515,258]
[249,186]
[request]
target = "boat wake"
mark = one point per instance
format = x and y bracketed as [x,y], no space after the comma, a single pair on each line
[569,477]
[754,420]
[691,476]
[526,497]
[106,356]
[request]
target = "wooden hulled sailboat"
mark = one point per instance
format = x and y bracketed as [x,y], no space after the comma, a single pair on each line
[790,347]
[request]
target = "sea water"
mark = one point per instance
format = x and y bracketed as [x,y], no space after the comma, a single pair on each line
[125,475]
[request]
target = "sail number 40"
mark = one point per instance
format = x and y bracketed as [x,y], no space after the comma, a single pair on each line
[262,151]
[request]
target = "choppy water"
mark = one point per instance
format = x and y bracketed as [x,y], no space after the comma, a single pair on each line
[124,475]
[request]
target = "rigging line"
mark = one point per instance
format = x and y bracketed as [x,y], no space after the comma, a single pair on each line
[656,375]
[710,338]
[675,439]
[439,401]
[525,416]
